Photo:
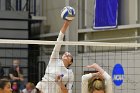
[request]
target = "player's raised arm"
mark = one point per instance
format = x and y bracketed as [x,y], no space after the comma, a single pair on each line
[68,14]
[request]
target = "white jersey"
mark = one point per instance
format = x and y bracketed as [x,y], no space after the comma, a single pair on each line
[26,91]
[108,82]
[56,67]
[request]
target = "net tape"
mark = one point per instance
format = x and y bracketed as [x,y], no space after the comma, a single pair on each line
[41,42]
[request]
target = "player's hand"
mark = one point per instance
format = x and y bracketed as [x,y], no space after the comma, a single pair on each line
[58,78]
[100,75]
[96,67]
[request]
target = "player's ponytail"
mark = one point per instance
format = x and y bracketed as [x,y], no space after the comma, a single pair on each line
[96,84]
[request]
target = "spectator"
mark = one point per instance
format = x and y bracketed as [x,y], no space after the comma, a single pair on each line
[16,74]
[1,71]
[5,86]
[30,88]
[15,87]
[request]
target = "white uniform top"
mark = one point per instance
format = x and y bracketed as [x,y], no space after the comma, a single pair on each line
[25,91]
[108,82]
[56,67]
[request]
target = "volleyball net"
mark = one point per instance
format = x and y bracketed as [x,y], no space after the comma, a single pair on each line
[120,60]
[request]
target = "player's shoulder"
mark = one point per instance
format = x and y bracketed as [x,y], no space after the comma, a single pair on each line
[70,72]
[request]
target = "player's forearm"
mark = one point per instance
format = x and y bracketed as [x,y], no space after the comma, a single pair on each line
[86,77]
[65,26]
[63,89]
[100,70]
[97,67]
[62,86]
[55,53]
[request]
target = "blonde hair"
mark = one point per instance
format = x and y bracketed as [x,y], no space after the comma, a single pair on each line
[31,85]
[96,84]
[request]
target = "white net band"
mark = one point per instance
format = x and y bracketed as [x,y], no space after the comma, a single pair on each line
[40,42]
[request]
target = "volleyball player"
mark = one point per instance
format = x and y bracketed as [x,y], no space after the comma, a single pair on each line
[58,68]
[99,82]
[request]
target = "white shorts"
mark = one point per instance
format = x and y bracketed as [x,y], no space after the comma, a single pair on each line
[41,86]
[48,87]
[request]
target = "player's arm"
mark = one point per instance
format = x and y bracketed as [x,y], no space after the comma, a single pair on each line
[97,68]
[108,85]
[105,75]
[58,80]
[65,26]
[68,14]
[84,84]
[56,50]
[68,87]
[63,88]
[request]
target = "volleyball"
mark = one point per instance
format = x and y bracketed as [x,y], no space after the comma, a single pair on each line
[68,13]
